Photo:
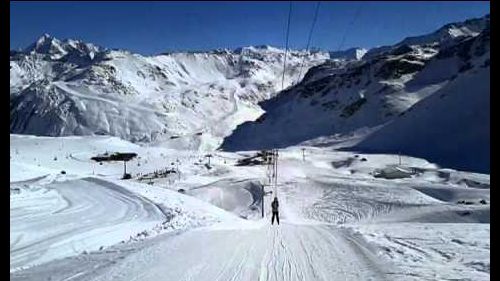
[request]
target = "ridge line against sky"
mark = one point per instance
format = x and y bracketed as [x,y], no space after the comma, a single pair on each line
[155,27]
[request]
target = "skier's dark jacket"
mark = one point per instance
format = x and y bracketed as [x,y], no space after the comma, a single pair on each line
[275,205]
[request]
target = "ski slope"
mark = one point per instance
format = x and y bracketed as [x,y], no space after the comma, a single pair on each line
[81,210]
[288,252]
[338,221]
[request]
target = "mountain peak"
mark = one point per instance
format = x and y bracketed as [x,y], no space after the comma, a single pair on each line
[45,36]
[49,45]
[46,44]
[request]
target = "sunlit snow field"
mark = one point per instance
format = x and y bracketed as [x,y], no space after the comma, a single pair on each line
[338,221]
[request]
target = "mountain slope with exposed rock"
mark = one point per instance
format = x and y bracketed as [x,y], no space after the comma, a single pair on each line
[182,100]
[341,100]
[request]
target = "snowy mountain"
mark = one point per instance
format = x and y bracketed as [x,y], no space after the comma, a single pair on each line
[344,100]
[56,49]
[451,127]
[350,54]
[183,100]
[448,34]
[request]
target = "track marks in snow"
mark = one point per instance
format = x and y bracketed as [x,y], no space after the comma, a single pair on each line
[285,252]
[429,251]
[338,202]
[266,253]
[91,208]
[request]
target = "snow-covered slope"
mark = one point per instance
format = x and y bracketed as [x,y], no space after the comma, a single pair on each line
[447,34]
[451,127]
[56,215]
[347,99]
[338,221]
[74,88]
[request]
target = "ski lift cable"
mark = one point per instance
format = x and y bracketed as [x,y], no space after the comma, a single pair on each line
[356,14]
[276,174]
[309,39]
[286,46]
[275,170]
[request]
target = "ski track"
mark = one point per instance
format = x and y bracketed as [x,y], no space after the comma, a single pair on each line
[84,214]
[285,252]
[294,250]
[316,239]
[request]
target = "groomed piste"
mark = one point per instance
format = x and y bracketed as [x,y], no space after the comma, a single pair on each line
[337,220]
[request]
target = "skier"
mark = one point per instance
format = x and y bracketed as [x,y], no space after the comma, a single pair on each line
[275,206]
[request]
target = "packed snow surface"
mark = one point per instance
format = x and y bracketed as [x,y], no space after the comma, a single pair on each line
[338,220]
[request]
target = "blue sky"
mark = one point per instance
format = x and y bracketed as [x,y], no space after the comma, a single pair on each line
[154,27]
